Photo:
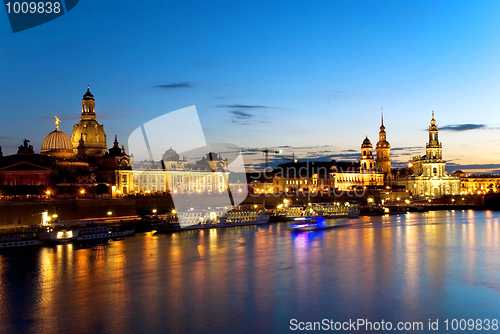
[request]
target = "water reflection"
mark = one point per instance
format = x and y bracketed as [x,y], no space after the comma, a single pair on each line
[409,267]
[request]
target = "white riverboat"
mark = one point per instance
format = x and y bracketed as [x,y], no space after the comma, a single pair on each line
[103,232]
[244,217]
[326,210]
[57,234]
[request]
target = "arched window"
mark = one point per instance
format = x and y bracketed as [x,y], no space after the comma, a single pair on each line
[434,170]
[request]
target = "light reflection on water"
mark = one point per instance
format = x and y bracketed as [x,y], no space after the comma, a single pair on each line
[411,267]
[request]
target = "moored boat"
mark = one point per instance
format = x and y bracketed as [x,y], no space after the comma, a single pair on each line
[15,239]
[56,234]
[103,232]
[209,220]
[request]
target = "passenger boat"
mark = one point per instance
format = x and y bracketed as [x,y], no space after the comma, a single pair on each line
[12,239]
[326,210]
[56,234]
[243,217]
[307,224]
[286,213]
[103,232]
[210,220]
[336,210]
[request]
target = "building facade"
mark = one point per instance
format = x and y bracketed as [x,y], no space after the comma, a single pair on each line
[428,177]
[384,154]
[173,174]
[478,184]
[88,134]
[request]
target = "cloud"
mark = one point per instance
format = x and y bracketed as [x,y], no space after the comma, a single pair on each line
[176,85]
[241,114]
[241,106]
[407,148]
[462,127]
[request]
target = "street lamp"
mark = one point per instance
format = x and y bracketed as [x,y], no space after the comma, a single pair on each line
[154,210]
[110,213]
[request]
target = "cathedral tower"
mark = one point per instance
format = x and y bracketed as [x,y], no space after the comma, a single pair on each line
[366,163]
[433,148]
[89,130]
[384,153]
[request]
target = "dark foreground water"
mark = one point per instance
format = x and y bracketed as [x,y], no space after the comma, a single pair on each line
[404,268]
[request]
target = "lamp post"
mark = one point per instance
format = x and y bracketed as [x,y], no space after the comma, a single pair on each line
[55,213]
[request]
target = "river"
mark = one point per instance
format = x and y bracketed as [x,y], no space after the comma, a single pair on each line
[415,267]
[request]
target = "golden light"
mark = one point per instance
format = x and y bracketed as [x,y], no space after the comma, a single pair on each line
[370,200]
[110,213]
[407,201]
[54,216]
[173,211]
[154,210]
[82,191]
[48,192]
[45,218]
[113,188]
[410,165]
[255,206]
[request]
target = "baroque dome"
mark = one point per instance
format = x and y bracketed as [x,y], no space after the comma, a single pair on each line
[57,144]
[170,155]
[366,142]
[89,130]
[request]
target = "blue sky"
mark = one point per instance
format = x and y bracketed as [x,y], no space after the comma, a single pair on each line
[309,77]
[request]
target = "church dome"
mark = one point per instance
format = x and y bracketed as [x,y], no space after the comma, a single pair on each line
[88,95]
[89,130]
[93,136]
[366,142]
[170,155]
[57,144]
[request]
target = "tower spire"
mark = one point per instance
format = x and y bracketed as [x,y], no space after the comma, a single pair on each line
[57,123]
[382,113]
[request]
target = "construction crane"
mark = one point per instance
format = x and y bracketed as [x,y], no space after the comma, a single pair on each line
[292,159]
[263,150]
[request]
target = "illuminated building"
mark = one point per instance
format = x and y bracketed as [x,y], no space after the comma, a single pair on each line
[57,144]
[175,175]
[427,175]
[366,164]
[384,154]
[325,176]
[26,173]
[88,134]
[478,184]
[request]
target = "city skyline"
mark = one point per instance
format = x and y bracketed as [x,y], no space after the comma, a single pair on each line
[312,86]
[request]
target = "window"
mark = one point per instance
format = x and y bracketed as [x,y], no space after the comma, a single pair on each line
[434,170]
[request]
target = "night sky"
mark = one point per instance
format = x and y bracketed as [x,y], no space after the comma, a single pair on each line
[306,77]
